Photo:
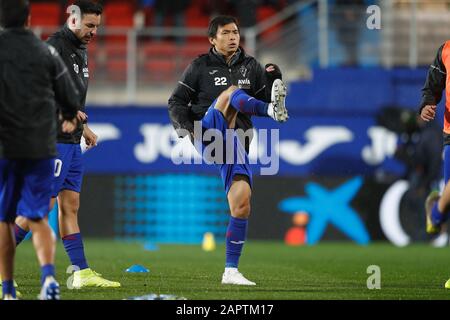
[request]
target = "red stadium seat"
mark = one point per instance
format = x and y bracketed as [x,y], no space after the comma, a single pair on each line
[194,11]
[196,19]
[115,51]
[93,53]
[263,13]
[114,58]
[160,70]
[159,61]
[116,70]
[149,16]
[159,49]
[45,14]
[118,14]
[190,52]
[193,51]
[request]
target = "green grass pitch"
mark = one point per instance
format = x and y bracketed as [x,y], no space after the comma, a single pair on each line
[325,271]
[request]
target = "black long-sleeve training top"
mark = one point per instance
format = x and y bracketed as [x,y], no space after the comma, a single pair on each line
[32,79]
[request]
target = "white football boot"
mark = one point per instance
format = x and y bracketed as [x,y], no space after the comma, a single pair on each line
[277,108]
[50,290]
[233,276]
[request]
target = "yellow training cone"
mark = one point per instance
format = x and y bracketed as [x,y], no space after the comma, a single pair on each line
[209,244]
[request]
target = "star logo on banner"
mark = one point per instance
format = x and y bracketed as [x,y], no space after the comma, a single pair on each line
[329,207]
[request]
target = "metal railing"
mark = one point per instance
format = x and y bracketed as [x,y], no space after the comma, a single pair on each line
[141,66]
[413,30]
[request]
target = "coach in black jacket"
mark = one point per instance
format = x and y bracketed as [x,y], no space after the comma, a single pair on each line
[71,43]
[32,76]
[74,54]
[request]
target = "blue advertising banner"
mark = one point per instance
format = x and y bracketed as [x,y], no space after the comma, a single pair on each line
[142,140]
[358,89]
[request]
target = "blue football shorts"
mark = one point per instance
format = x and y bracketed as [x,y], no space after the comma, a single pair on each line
[214,119]
[26,188]
[69,168]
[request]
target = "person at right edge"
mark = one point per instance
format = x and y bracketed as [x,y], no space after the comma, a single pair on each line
[437,207]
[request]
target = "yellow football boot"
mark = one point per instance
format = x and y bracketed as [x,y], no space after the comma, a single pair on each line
[432,198]
[18,294]
[89,278]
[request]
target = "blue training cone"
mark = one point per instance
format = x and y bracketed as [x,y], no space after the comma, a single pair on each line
[137,268]
[149,246]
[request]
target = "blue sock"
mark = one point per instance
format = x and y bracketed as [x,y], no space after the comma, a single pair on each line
[244,103]
[20,234]
[73,244]
[47,271]
[437,218]
[236,235]
[8,288]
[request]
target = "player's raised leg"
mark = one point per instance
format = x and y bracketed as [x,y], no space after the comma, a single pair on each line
[244,103]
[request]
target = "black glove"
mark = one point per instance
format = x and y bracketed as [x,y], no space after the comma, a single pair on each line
[275,74]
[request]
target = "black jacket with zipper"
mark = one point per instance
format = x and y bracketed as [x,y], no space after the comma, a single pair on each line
[74,54]
[32,79]
[206,78]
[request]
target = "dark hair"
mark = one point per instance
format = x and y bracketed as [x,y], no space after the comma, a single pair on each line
[89,7]
[14,13]
[220,21]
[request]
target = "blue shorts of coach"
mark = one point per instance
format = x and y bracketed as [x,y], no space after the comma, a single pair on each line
[25,188]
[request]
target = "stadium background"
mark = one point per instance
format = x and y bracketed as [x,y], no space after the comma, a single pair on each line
[341,75]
